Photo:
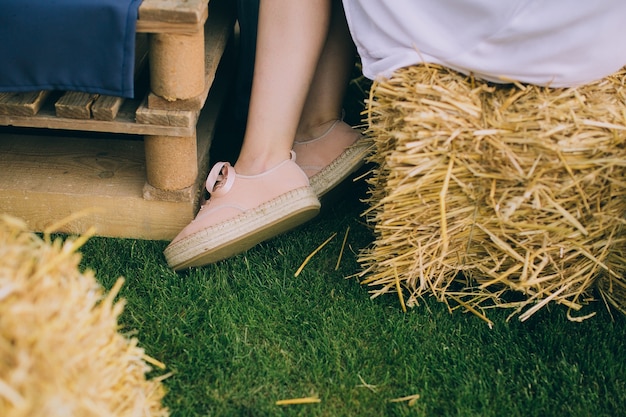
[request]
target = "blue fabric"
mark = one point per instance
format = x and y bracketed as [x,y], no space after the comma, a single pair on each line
[76,45]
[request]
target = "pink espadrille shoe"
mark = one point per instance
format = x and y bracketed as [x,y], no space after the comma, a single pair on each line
[331,157]
[243,210]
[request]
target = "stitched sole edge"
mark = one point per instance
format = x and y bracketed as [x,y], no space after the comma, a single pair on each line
[347,163]
[237,235]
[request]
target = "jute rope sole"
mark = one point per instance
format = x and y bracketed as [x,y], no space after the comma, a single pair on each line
[341,168]
[243,232]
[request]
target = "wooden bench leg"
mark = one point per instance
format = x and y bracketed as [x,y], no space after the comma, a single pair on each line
[171,167]
[177,72]
[177,65]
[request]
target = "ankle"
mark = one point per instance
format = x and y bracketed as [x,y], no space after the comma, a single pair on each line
[310,133]
[259,164]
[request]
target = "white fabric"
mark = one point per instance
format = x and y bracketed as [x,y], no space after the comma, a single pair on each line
[546,42]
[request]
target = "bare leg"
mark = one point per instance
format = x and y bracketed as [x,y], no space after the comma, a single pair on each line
[291,36]
[324,101]
[323,143]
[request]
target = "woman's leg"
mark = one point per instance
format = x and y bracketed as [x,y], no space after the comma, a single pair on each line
[325,97]
[323,142]
[290,39]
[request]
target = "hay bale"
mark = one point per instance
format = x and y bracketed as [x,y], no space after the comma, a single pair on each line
[60,350]
[497,195]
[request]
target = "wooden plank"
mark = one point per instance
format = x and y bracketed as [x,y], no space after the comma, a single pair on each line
[123,123]
[176,118]
[172,16]
[175,11]
[75,105]
[218,31]
[106,107]
[167,27]
[44,180]
[22,104]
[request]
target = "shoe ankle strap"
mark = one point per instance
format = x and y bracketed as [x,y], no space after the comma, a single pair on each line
[326,132]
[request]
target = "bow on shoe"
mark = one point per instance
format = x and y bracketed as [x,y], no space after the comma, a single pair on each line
[220,179]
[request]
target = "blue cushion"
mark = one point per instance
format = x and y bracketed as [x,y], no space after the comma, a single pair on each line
[76,45]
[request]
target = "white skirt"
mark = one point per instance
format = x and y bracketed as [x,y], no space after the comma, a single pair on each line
[557,43]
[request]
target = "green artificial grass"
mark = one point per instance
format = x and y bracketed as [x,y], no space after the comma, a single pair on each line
[244,333]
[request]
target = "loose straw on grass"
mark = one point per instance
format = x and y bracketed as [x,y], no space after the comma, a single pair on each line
[298,401]
[312,254]
[343,245]
[411,400]
[399,289]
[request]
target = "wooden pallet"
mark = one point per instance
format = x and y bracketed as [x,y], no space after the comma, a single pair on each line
[133,167]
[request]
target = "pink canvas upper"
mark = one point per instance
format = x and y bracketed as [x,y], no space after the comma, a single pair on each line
[231,194]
